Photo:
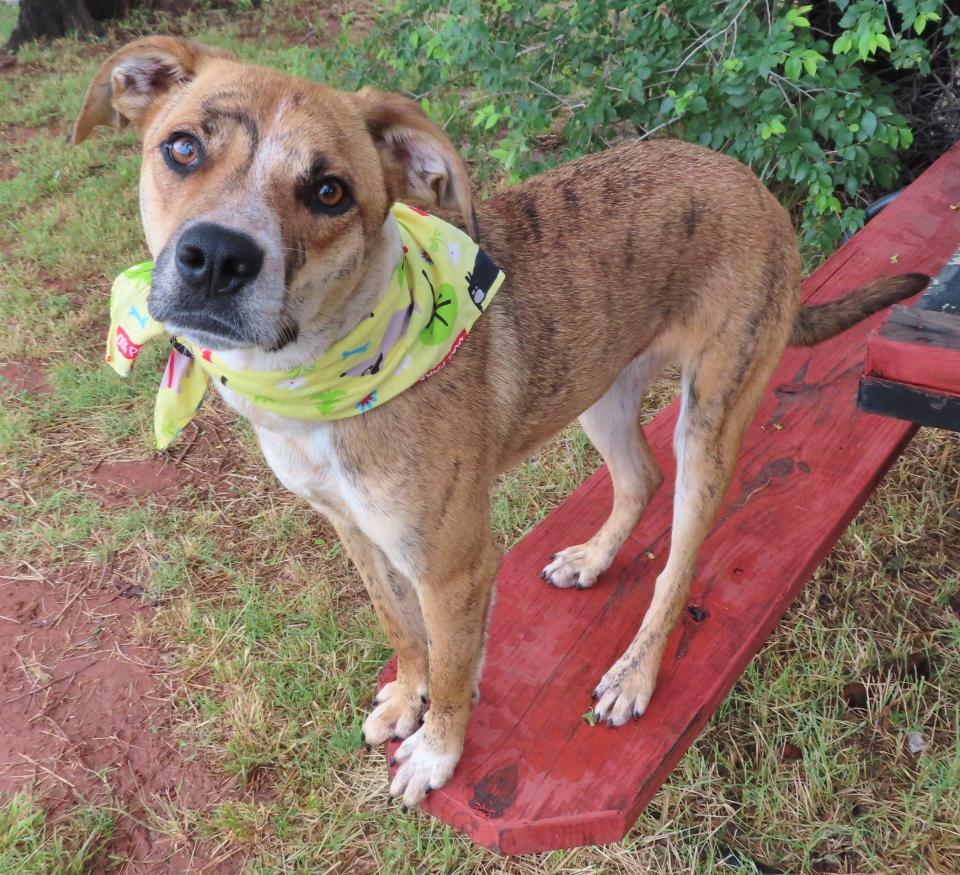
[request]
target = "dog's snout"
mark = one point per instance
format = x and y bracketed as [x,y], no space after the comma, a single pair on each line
[217,261]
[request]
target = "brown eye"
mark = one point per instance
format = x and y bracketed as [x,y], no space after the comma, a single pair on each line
[329,193]
[183,151]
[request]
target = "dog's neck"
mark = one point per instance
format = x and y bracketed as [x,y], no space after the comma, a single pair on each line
[316,338]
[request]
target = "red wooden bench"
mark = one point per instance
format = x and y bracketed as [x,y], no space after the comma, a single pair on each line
[534,775]
[912,370]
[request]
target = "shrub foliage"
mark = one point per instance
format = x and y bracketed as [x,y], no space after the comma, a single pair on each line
[804,94]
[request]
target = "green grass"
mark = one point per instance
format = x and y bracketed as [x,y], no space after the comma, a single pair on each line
[277,650]
[32,845]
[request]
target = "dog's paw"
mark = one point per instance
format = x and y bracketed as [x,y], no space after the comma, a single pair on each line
[624,691]
[578,566]
[396,715]
[422,768]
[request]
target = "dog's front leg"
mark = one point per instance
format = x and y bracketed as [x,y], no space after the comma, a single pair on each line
[455,595]
[399,704]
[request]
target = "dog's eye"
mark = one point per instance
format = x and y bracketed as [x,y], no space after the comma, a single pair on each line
[329,193]
[323,193]
[183,152]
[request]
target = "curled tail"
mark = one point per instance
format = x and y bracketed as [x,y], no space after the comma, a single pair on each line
[822,321]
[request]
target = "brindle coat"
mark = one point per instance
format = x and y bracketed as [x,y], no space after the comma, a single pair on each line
[619,264]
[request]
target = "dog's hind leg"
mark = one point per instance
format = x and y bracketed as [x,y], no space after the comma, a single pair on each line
[613,426]
[721,387]
[400,703]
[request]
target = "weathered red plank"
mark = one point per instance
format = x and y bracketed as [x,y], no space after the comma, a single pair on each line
[534,776]
[919,347]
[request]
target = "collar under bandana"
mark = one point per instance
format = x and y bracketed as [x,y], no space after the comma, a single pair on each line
[440,286]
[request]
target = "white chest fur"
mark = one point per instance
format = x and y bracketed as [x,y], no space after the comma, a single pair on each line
[304,457]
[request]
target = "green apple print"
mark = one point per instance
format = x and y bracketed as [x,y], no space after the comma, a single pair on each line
[443,317]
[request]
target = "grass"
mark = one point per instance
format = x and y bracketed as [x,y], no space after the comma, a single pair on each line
[277,650]
[30,845]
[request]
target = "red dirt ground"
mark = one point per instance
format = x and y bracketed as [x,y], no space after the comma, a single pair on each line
[118,482]
[26,377]
[84,717]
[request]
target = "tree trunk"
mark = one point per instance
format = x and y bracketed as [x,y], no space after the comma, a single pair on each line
[55,18]
[49,18]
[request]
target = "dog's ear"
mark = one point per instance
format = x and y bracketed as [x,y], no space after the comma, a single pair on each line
[136,77]
[420,163]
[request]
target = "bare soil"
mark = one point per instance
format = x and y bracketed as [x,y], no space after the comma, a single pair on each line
[23,376]
[118,482]
[85,715]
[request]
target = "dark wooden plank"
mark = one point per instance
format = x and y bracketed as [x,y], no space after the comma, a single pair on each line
[911,403]
[534,776]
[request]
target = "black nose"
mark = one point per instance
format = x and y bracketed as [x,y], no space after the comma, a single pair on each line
[216,260]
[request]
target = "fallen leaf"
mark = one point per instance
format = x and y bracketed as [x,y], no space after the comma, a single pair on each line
[955,206]
[855,695]
[894,259]
[916,743]
[590,717]
[790,752]
[649,555]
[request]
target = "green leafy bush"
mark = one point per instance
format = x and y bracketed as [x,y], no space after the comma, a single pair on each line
[803,94]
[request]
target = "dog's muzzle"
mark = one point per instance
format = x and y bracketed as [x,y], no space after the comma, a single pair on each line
[210,284]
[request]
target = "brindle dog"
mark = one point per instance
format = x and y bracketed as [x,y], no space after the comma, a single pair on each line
[619,264]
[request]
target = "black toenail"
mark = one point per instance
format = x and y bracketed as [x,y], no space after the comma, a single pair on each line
[404,809]
[368,747]
[363,736]
[610,721]
[428,791]
[543,574]
[394,737]
[578,585]
[636,715]
[393,761]
[594,695]
[553,558]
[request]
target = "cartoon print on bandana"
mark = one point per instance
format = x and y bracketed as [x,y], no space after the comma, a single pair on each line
[327,399]
[481,278]
[365,404]
[396,328]
[178,366]
[444,314]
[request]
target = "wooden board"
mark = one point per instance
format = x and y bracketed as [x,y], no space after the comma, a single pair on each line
[534,775]
[919,347]
[912,369]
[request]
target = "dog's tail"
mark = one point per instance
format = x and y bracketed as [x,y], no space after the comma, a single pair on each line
[822,321]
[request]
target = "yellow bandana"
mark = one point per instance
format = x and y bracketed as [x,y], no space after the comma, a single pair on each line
[440,286]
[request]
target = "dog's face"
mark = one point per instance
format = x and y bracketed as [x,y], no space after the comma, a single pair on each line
[263,196]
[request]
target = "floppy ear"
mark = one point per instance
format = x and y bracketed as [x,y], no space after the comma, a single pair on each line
[419,161]
[134,78]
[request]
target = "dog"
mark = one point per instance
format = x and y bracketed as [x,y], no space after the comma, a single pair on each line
[617,265]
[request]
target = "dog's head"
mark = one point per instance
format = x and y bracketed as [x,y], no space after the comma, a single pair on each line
[263,196]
